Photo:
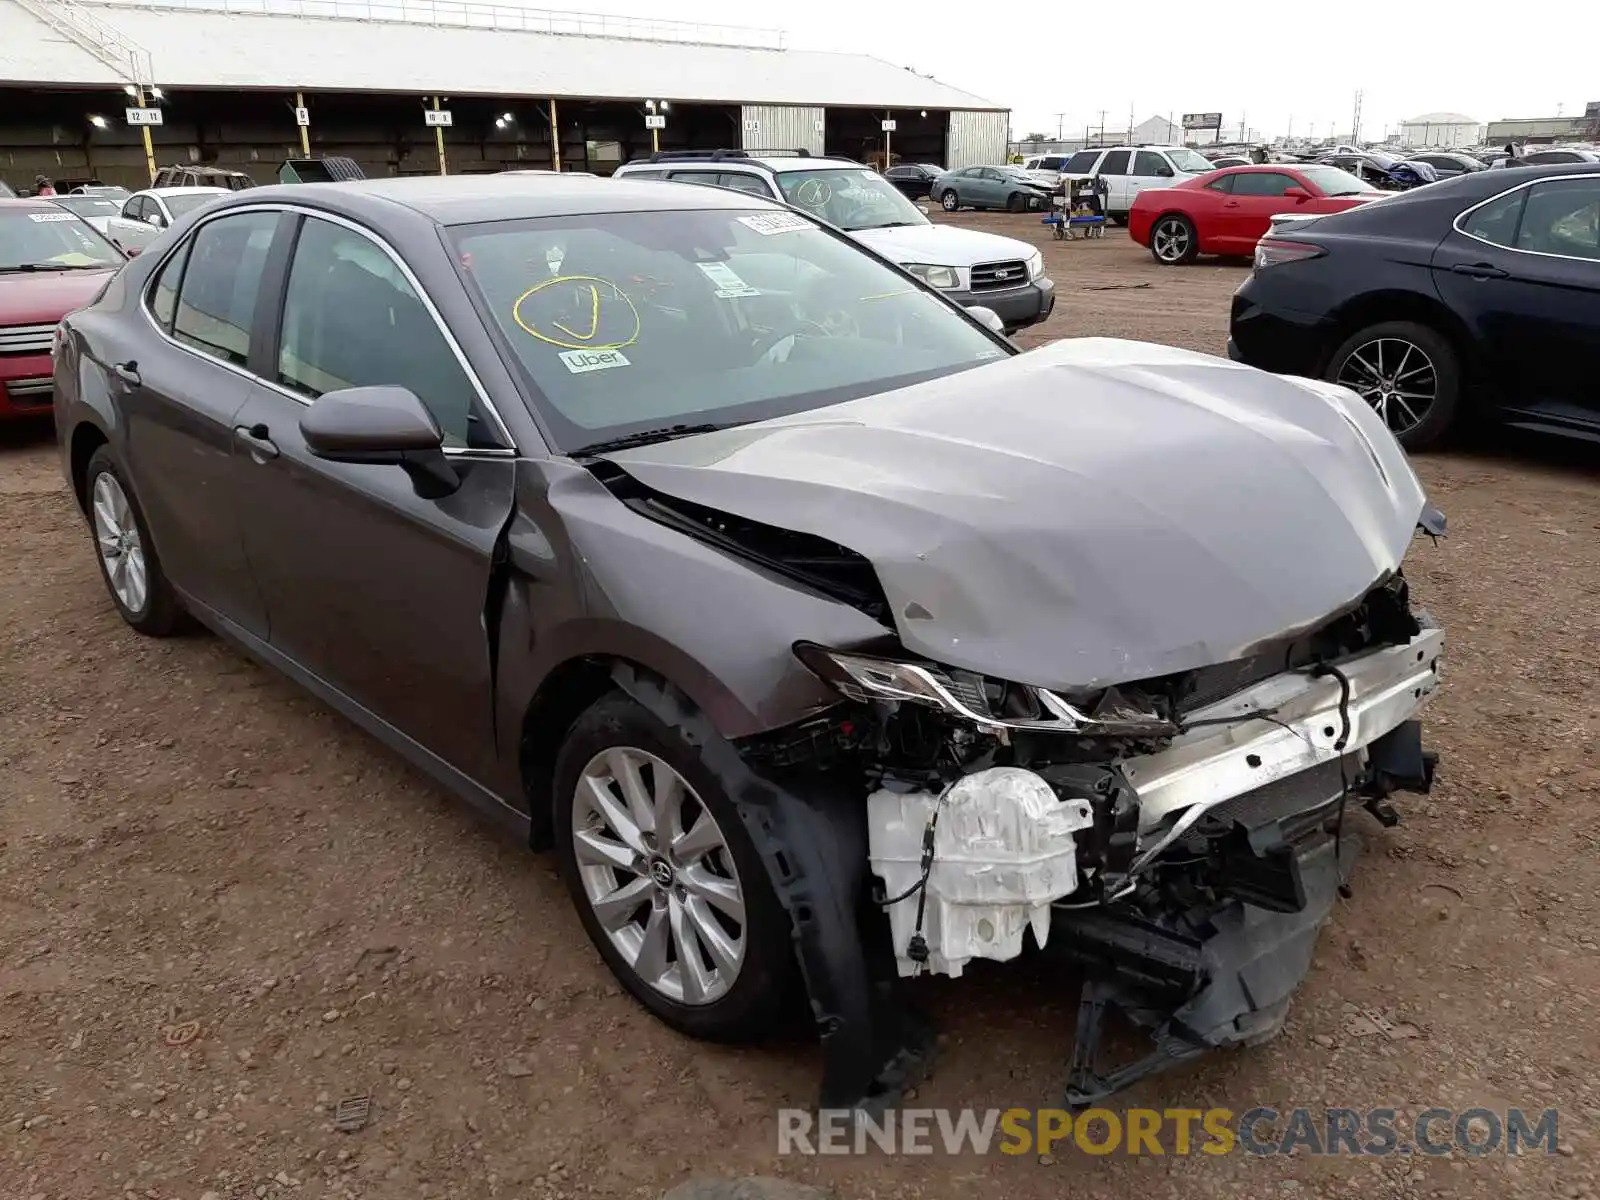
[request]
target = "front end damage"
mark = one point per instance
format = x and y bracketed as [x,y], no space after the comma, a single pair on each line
[1180,839]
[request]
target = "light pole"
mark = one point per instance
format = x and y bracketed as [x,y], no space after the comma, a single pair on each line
[655,121]
[138,91]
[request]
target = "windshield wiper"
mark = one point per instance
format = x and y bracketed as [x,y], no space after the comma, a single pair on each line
[893,225]
[49,266]
[644,438]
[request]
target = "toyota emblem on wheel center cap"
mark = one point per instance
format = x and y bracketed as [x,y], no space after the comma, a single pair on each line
[661,872]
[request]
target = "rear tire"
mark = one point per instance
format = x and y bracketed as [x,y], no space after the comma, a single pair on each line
[672,880]
[1173,240]
[950,202]
[1410,374]
[129,565]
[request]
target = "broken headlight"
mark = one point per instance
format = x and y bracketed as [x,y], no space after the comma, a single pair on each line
[990,704]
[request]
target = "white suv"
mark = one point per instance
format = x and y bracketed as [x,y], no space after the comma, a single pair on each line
[1128,170]
[972,268]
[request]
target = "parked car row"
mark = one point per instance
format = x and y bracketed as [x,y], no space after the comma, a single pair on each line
[1477,294]
[693,539]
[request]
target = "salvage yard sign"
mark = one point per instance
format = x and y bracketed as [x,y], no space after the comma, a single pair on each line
[1202,121]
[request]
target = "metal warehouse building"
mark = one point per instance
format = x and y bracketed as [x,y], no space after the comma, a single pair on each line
[239,83]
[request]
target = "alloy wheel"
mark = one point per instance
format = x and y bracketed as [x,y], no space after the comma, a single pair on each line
[121,549]
[1170,239]
[950,201]
[658,875]
[1394,376]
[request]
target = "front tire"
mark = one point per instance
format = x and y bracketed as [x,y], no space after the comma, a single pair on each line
[1408,373]
[666,881]
[1014,202]
[129,566]
[950,202]
[1173,241]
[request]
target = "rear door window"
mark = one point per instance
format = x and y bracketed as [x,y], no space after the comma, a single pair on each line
[745,183]
[1562,217]
[1116,163]
[217,301]
[164,293]
[1497,221]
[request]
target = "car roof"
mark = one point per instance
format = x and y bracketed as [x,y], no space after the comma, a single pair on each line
[777,164]
[470,199]
[188,191]
[25,204]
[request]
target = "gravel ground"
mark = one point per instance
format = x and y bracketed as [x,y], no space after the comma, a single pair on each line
[222,909]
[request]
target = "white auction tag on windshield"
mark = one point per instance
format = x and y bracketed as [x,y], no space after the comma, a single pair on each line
[55,216]
[729,285]
[581,361]
[770,223]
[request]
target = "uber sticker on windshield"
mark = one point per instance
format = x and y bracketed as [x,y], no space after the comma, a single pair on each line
[55,216]
[729,285]
[770,223]
[581,361]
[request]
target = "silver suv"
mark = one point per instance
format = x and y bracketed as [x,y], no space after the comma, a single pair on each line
[970,267]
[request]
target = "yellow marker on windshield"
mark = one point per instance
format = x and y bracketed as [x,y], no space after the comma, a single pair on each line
[613,319]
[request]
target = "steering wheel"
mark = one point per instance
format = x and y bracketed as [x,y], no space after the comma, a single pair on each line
[767,348]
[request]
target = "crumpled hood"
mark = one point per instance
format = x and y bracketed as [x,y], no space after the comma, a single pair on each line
[1091,512]
[942,245]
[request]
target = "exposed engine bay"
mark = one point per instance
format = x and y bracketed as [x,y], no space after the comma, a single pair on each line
[1181,838]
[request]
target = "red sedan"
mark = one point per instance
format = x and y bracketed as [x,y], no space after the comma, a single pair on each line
[1229,211]
[51,262]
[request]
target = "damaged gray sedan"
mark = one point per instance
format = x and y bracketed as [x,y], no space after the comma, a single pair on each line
[827,640]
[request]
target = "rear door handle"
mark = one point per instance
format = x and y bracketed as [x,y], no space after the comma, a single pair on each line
[1479,270]
[128,372]
[257,440]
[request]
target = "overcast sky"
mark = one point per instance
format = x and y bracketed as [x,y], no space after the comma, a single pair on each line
[1040,59]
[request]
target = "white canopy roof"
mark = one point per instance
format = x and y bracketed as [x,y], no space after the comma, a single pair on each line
[196,48]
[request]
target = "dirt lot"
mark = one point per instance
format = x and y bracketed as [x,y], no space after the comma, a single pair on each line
[184,837]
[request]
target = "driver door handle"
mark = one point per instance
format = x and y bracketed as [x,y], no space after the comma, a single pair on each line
[128,372]
[257,440]
[1479,270]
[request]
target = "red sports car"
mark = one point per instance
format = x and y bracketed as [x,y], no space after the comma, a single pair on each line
[1229,211]
[51,262]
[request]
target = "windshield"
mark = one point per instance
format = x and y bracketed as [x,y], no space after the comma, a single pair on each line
[1187,160]
[626,323]
[1335,181]
[180,206]
[850,197]
[89,206]
[52,240]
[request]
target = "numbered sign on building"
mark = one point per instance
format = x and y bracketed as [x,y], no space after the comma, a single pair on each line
[655,121]
[302,116]
[144,116]
[888,126]
[440,117]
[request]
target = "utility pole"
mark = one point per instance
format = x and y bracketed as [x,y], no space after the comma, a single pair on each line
[1241,126]
[1102,125]
[1355,122]
[1130,122]
[1060,124]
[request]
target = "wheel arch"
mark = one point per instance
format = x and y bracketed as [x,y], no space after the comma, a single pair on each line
[1397,304]
[87,437]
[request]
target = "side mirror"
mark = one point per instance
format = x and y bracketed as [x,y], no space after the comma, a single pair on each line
[155,219]
[1298,194]
[381,425]
[988,318]
[1164,171]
